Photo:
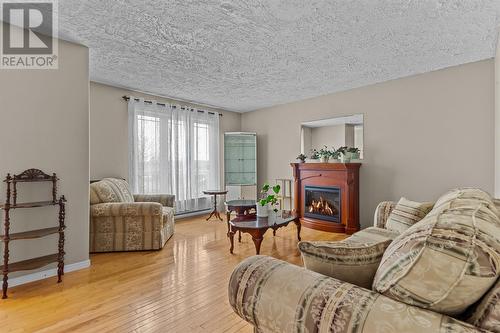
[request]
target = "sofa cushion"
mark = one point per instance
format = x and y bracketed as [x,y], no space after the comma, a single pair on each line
[110,190]
[354,260]
[486,314]
[406,213]
[125,209]
[448,260]
[373,235]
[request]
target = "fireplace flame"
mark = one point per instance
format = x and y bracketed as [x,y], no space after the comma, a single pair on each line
[322,207]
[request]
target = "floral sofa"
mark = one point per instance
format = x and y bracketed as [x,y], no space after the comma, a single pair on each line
[121,221]
[420,268]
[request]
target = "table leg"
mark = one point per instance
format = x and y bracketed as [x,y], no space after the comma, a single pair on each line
[215,212]
[231,239]
[297,223]
[274,232]
[239,236]
[228,216]
[257,241]
[211,214]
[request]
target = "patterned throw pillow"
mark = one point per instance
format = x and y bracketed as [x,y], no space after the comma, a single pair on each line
[486,314]
[462,197]
[448,260]
[407,213]
[354,260]
[110,190]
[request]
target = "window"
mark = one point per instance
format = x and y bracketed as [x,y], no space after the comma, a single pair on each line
[174,151]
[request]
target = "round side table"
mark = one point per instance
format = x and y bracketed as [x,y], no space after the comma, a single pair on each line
[215,193]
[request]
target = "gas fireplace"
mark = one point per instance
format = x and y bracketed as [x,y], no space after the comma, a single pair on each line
[322,203]
[327,196]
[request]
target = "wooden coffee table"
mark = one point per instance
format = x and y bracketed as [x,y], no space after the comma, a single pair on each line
[241,207]
[257,226]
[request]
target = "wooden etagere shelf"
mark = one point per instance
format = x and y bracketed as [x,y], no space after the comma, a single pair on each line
[31,204]
[31,176]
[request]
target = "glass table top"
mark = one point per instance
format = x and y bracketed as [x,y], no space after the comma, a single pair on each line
[274,219]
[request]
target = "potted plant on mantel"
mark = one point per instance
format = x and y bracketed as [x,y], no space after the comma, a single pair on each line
[301,158]
[344,155]
[335,154]
[268,200]
[314,156]
[324,154]
[354,153]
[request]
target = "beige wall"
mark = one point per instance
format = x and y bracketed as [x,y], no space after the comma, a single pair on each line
[331,136]
[109,129]
[423,134]
[44,116]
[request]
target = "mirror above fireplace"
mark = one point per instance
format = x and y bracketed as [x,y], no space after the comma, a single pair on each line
[332,132]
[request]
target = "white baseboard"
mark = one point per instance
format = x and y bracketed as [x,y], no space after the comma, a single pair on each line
[191,214]
[47,273]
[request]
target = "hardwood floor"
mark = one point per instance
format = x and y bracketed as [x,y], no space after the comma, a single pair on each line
[182,288]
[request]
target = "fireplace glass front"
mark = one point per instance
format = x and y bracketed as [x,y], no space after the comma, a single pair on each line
[322,203]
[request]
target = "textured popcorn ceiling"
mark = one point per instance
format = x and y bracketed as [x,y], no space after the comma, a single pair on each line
[246,55]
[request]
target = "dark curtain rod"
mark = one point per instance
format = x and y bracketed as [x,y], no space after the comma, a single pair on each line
[126,98]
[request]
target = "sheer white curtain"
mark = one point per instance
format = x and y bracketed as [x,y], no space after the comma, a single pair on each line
[174,151]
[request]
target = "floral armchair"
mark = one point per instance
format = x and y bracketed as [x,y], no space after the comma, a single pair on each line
[121,221]
[343,288]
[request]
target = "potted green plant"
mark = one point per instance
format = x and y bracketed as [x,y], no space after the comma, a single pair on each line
[335,154]
[314,157]
[354,153]
[324,154]
[345,157]
[301,158]
[268,200]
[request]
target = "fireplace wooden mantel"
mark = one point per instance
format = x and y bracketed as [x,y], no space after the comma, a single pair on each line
[342,175]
